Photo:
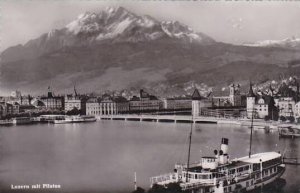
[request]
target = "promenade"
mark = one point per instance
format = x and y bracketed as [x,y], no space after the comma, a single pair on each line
[189,119]
[168,118]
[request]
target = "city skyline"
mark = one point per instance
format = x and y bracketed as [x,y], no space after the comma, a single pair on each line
[229,22]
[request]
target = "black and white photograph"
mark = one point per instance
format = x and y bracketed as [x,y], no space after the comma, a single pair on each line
[149,96]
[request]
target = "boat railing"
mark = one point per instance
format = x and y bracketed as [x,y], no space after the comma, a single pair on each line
[169,177]
[193,185]
[182,166]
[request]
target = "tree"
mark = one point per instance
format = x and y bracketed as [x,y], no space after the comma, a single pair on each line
[74,111]
[139,190]
[157,189]
[291,119]
[170,188]
[282,118]
[267,118]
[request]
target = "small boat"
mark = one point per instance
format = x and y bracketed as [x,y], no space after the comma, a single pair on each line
[289,132]
[6,122]
[22,120]
[50,118]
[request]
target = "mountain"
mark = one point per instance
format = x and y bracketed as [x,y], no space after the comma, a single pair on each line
[292,43]
[117,49]
[113,25]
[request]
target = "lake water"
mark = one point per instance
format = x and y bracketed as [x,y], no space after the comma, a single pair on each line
[103,156]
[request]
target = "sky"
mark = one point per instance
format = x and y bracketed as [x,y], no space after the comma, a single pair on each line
[228,21]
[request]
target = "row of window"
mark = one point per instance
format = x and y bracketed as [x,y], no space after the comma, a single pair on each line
[199,176]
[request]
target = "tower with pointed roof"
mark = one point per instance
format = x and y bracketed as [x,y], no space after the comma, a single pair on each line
[199,102]
[250,101]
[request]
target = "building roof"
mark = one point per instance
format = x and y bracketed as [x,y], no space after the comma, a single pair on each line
[135,98]
[92,100]
[196,95]
[120,99]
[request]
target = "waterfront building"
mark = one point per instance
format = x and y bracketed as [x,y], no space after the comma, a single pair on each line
[286,106]
[3,109]
[287,97]
[93,106]
[233,98]
[72,102]
[52,102]
[297,110]
[144,103]
[260,106]
[179,103]
[107,105]
[9,109]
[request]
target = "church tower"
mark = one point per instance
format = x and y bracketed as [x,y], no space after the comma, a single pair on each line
[250,102]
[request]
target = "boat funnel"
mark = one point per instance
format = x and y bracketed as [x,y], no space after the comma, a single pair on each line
[224,145]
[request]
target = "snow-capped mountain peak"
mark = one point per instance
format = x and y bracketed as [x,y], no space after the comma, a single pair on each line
[119,24]
[285,43]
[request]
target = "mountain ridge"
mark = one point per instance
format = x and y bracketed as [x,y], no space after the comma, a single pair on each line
[100,50]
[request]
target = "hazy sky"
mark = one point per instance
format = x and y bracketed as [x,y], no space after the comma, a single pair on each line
[227,21]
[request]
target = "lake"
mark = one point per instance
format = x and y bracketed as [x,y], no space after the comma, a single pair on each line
[103,156]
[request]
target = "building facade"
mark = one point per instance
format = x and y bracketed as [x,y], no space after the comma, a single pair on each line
[234,98]
[52,102]
[144,103]
[177,103]
[287,106]
[9,109]
[72,102]
[260,106]
[107,105]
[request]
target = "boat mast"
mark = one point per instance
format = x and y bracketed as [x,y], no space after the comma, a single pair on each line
[135,184]
[189,153]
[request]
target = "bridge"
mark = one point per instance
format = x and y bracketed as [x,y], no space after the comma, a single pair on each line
[169,118]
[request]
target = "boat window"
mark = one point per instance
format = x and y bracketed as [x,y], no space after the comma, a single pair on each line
[246,168]
[247,183]
[256,167]
[257,175]
[271,162]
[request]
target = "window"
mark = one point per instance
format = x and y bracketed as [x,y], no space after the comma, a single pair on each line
[247,183]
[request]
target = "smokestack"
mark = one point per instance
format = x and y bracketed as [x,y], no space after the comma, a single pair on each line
[217,156]
[221,158]
[224,145]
